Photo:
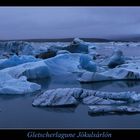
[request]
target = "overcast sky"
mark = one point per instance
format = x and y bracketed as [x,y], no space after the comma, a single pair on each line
[63,22]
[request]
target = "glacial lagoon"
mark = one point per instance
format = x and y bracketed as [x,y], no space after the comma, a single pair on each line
[16,111]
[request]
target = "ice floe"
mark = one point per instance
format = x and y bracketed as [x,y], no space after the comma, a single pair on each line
[56,97]
[102,109]
[111,74]
[70,96]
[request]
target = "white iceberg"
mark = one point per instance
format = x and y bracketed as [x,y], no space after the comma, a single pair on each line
[72,96]
[14,80]
[112,74]
[10,85]
[32,70]
[63,64]
[56,97]
[101,109]
[93,100]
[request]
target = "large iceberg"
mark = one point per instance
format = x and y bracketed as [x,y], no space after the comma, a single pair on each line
[112,74]
[61,64]
[32,70]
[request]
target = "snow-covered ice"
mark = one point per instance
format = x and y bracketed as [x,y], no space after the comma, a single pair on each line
[70,96]
[104,109]
[56,97]
[10,85]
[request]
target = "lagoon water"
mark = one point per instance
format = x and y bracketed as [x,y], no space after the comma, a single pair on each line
[18,112]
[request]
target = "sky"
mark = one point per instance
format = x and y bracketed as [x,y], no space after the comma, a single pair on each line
[65,22]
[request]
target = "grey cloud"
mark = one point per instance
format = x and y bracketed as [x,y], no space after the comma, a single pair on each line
[61,22]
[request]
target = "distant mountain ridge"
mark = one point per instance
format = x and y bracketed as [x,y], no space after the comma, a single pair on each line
[61,40]
[133,38]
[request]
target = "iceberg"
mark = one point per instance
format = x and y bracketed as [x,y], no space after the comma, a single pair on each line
[63,64]
[112,74]
[116,59]
[93,100]
[14,79]
[9,85]
[17,60]
[32,70]
[73,96]
[106,109]
[77,46]
[56,97]
[87,63]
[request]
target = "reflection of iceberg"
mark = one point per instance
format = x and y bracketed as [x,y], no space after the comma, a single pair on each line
[114,84]
[69,109]
[124,84]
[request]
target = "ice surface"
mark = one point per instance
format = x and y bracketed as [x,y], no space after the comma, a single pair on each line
[62,52]
[56,97]
[87,63]
[77,46]
[116,59]
[67,96]
[10,85]
[17,60]
[101,109]
[93,100]
[63,64]
[112,74]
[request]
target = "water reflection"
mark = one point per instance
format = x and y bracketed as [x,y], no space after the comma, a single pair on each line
[59,109]
[17,96]
[43,82]
[113,84]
